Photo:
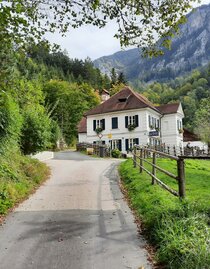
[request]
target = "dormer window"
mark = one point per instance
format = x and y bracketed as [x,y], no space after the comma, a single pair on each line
[122,100]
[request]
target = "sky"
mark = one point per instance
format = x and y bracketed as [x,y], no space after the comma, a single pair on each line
[89,41]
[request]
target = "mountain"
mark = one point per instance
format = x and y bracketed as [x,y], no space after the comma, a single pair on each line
[190,50]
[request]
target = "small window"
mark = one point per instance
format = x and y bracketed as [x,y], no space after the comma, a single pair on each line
[114,123]
[122,100]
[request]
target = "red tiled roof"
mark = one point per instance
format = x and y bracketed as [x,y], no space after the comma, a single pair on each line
[133,100]
[189,136]
[82,126]
[168,108]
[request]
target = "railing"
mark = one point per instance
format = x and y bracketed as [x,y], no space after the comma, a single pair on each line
[146,153]
[181,151]
[98,150]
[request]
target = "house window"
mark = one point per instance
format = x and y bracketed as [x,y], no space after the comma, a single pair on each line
[179,125]
[154,142]
[114,123]
[99,124]
[129,143]
[131,120]
[116,144]
[153,122]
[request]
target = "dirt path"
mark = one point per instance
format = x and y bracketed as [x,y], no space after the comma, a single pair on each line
[76,220]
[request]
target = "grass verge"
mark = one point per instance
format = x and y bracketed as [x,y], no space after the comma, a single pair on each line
[179,230]
[19,176]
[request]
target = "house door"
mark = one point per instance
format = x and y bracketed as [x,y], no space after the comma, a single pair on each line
[116,144]
[129,143]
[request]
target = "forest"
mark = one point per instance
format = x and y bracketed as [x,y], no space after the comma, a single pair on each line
[44,94]
[193,91]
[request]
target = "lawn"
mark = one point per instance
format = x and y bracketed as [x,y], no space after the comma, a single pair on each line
[178,229]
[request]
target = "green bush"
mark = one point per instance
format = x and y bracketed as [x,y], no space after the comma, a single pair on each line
[116,153]
[10,123]
[19,175]
[55,134]
[36,130]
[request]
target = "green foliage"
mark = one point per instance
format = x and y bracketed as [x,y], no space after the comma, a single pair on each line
[189,90]
[10,122]
[116,88]
[139,23]
[55,134]
[113,76]
[18,177]
[115,153]
[178,229]
[71,100]
[36,130]
[121,78]
[61,67]
[202,120]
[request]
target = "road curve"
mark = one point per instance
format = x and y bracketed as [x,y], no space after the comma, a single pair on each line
[76,220]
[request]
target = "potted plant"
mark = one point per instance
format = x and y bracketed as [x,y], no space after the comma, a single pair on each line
[98,130]
[152,127]
[181,131]
[131,127]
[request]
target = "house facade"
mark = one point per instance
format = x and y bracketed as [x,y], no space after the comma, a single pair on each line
[128,118]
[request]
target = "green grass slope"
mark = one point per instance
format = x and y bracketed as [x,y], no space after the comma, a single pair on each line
[178,229]
[19,176]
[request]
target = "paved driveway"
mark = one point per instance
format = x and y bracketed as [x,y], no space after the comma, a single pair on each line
[76,220]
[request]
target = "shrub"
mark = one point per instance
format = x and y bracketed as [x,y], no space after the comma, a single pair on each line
[10,123]
[116,153]
[55,134]
[19,175]
[36,130]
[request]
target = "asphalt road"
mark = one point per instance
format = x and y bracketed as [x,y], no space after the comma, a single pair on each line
[76,220]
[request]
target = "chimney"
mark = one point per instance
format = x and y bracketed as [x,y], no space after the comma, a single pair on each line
[104,95]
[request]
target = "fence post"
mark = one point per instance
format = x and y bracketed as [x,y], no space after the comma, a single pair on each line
[174,151]
[153,168]
[192,150]
[144,154]
[181,177]
[168,150]
[141,161]
[134,157]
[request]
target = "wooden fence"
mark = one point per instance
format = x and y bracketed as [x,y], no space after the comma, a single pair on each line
[98,150]
[141,155]
[182,151]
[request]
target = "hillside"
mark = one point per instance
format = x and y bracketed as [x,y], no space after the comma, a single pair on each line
[190,50]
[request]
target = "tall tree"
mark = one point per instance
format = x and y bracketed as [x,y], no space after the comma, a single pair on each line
[68,102]
[113,77]
[139,22]
[121,78]
[202,121]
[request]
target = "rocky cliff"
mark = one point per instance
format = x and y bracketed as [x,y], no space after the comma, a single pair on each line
[190,50]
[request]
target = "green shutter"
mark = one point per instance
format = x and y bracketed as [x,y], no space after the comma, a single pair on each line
[120,145]
[126,121]
[94,125]
[137,120]
[126,145]
[114,123]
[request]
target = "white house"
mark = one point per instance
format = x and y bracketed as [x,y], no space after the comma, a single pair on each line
[128,118]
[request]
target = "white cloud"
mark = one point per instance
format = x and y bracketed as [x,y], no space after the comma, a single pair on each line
[88,41]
